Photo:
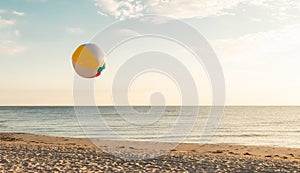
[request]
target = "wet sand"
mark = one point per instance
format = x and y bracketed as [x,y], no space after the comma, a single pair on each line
[36,153]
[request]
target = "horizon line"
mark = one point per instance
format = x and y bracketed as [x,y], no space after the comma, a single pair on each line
[233,105]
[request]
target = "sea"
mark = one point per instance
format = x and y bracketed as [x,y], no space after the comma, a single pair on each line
[243,125]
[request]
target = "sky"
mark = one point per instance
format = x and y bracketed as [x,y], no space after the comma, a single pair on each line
[257,43]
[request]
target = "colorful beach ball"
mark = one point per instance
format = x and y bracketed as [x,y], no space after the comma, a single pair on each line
[88,60]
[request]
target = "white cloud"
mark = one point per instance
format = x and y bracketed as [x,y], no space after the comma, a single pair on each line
[261,68]
[282,43]
[74,30]
[10,47]
[17,33]
[125,32]
[6,22]
[2,11]
[174,8]
[120,9]
[9,34]
[9,42]
[18,13]
[254,19]
[102,14]
[283,9]
[192,8]
[9,22]
[188,8]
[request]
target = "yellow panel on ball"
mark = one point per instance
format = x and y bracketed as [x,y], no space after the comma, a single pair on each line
[87,59]
[84,57]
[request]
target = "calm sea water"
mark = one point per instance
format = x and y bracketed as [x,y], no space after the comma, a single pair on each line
[271,126]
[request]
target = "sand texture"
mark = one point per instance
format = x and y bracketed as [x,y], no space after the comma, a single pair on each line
[35,153]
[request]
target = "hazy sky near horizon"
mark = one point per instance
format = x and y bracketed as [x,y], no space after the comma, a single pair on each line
[257,43]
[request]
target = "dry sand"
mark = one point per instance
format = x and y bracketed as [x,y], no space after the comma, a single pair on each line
[36,153]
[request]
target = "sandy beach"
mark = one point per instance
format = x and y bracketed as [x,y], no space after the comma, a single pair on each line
[35,153]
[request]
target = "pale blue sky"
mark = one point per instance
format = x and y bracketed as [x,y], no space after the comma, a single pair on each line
[257,43]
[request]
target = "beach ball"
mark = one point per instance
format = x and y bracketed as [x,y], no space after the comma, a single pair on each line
[88,60]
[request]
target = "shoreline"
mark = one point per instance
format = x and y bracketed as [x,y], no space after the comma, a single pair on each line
[221,149]
[234,156]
